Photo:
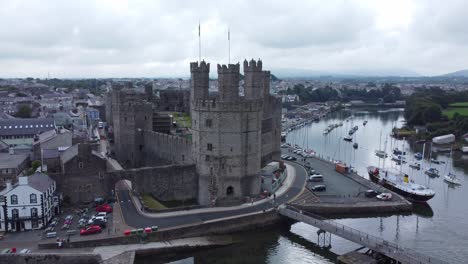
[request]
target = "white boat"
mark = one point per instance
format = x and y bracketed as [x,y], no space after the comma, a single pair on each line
[465,150]
[445,139]
[452,178]
[398,158]
[432,172]
[381,153]
[415,165]
[400,184]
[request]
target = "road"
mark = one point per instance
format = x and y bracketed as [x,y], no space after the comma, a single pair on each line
[133,218]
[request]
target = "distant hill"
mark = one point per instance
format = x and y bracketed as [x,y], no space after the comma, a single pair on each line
[462,73]
[301,73]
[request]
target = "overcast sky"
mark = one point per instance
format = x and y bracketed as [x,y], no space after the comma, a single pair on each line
[114,38]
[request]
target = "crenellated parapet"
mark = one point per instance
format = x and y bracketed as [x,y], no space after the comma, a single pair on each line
[228,82]
[254,79]
[200,67]
[253,66]
[200,79]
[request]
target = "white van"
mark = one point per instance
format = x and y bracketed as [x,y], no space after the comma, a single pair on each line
[316,178]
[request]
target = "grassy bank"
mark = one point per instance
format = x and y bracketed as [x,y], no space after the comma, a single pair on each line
[449,112]
[152,203]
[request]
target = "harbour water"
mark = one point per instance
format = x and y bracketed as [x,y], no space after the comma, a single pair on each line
[439,229]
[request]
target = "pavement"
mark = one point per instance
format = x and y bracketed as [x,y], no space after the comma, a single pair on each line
[136,218]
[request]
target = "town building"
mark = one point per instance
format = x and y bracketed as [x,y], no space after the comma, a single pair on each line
[29,204]
[11,165]
[21,131]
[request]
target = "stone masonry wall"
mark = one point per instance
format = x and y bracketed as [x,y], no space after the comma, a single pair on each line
[159,147]
[166,183]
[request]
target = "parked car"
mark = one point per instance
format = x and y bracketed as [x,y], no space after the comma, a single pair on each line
[93,229]
[284,145]
[291,158]
[371,193]
[384,196]
[284,156]
[104,208]
[319,188]
[69,217]
[100,223]
[25,251]
[316,178]
[103,214]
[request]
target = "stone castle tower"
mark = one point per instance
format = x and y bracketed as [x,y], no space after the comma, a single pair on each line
[227,131]
[130,113]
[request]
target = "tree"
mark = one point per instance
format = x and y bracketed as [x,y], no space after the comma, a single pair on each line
[24,112]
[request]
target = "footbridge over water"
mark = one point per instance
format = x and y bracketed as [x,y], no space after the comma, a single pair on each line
[384,247]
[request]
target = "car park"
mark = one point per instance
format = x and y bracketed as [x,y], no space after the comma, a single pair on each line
[93,229]
[319,188]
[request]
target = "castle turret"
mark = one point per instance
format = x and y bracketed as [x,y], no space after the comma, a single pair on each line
[254,78]
[228,82]
[200,74]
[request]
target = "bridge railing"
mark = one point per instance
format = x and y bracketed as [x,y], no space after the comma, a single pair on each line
[376,243]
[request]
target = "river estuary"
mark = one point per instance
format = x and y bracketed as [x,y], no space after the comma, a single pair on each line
[439,230]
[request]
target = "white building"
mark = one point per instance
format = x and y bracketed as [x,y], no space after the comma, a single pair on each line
[29,204]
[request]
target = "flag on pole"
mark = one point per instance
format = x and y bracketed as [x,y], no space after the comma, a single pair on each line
[199,28]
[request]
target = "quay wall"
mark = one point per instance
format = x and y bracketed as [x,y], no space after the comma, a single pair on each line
[223,226]
[50,258]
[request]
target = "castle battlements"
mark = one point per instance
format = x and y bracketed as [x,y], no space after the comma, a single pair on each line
[230,68]
[199,67]
[252,65]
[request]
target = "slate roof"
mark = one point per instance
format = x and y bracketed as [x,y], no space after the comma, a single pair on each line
[25,126]
[8,161]
[40,181]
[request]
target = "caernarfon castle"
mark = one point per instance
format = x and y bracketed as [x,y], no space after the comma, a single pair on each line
[233,134]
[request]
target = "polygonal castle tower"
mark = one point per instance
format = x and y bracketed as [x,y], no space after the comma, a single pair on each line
[227,131]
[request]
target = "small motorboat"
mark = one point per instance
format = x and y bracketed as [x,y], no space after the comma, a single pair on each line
[452,178]
[432,172]
[355,145]
[381,153]
[435,161]
[397,151]
[398,158]
[348,138]
[415,165]
[418,156]
[364,123]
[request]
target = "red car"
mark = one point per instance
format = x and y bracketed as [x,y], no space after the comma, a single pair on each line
[104,208]
[94,229]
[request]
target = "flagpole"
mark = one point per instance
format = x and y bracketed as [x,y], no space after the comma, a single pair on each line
[199,42]
[229,46]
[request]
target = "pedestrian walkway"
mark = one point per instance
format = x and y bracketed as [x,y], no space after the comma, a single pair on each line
[279,193]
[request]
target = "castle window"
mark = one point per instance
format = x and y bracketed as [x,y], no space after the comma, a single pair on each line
[207,158]
[231,149]
[80,165]
[208,123]
[209,147]
[145,118]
